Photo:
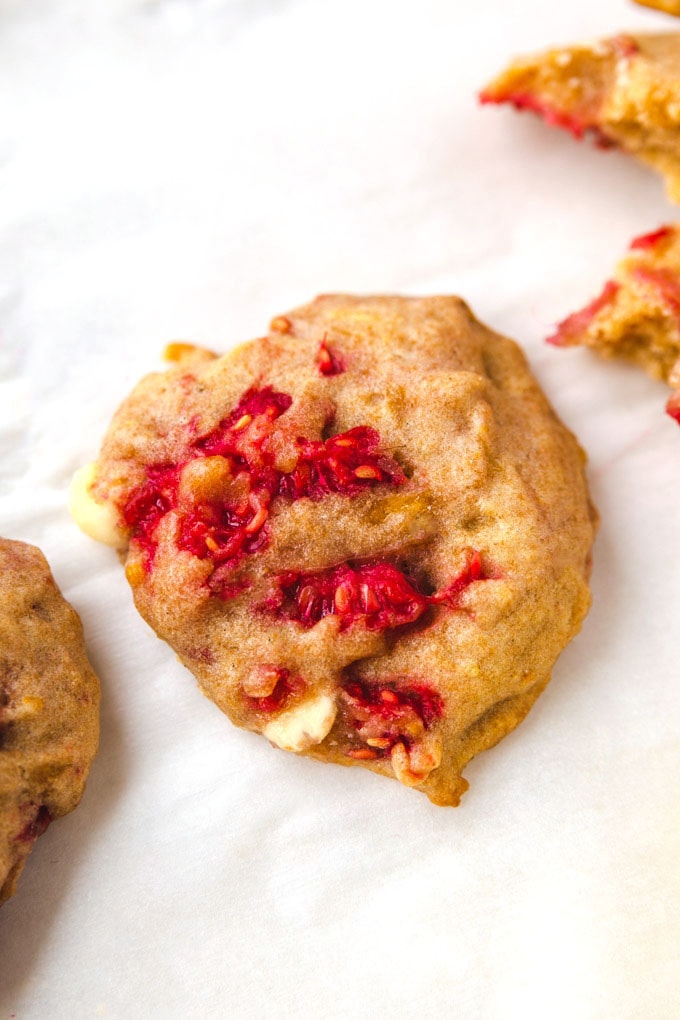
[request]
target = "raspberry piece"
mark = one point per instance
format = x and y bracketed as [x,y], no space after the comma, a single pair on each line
[149,502]
[224,533]
[345,464]
[384,714]
[574,325]
[390,701]
[221,530]
[244,430]
[36,826]
[673,407]
[284,687]
[552,115]
[378,594]
[471,572]
[329,362]
[651,240]
[226,528]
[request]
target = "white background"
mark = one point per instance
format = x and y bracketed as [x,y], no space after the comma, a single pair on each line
[188,169]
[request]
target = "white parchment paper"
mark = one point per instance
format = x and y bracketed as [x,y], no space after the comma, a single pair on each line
[187,169]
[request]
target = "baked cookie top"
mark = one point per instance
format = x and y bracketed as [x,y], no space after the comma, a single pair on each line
[623,91]
[366,533]
[49,706]
[636,316]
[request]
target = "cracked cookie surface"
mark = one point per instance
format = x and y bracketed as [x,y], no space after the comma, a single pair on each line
[49,706]
[366,533]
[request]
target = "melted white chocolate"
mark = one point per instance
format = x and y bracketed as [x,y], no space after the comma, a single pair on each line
[303,726]
[98,520]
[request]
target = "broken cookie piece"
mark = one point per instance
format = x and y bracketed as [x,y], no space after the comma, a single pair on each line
[622,92]
[667,6]
[49,707]
[366,533]
[637,314]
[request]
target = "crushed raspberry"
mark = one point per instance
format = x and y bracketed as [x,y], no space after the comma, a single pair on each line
[226,529]
[471,572]
[389,701]
[221,531]
[383,714]
[222,583]
[673,407]
[149,502]
[345,464]
[551,115]
[285,687]
[575,125]
[329,362]
[652,239]
[666,284]
[36,826]
[378,594]
[245,427]
[203,654]
[571,329]
[224,533]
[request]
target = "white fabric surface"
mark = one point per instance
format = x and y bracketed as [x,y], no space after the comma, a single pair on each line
[187,169]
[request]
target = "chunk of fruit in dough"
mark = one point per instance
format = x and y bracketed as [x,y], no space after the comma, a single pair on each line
[413,766]
[303,726]
[98,520]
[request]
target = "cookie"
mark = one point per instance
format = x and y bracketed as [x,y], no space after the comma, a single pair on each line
[623,92]
[49,706]
[366,533]
[637,314]
[668,6]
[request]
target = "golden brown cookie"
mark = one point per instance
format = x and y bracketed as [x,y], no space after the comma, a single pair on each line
[49,706]
[366,534]
[623,91]
[668,6]
[637,314]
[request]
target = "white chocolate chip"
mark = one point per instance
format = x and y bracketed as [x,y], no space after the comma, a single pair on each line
[98,520]
[303,726]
